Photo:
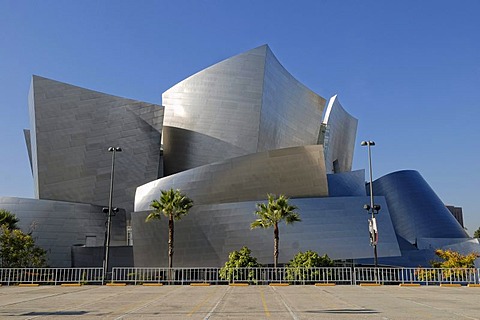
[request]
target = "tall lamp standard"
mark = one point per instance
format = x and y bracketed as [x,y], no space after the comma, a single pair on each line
[110,211]
[374,207]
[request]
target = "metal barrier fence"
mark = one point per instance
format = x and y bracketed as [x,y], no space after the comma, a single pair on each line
[425,276]
[259,276]
[53,276]
[166,275]
[340,275]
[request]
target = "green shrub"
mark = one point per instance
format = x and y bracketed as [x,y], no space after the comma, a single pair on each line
[304,266]
[237,261]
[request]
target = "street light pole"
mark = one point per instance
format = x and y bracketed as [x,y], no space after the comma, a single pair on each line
[372,206]
[110,210]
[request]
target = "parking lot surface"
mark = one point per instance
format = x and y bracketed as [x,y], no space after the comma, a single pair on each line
[250,302]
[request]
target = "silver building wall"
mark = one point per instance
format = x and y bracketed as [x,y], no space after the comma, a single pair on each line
[56,226]
[341,131]
[416,211]
[291,113]
[336,226]
[237,131]
[71,130]
[347,184]
[245,104]
[297,172]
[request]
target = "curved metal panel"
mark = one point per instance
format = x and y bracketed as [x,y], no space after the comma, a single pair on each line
[59,225]
[416,211]
[347,184]
[248,103]
[335,226]
[341,131]
[220,103]
[71,130]
[296,172]
[291,113]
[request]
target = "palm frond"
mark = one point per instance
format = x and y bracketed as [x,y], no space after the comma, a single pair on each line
[171,203]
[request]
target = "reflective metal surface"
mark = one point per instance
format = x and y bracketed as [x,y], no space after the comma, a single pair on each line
[336,226]
[56,226]
[340,137]
[232,133]
[347,184]
[416,210]
[245,104]
[71,129]
[297,172]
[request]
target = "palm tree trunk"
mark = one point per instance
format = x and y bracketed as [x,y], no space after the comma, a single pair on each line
[170,241]
[275,245]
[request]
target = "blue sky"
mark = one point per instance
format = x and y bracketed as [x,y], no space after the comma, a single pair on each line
[408,70]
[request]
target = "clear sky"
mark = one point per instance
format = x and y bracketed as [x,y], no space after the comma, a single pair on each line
[408,70]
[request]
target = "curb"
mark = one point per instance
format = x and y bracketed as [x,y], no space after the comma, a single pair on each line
[28,284]
[450,285]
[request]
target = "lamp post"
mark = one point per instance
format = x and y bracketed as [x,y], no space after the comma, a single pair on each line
[109,211]
[374,207]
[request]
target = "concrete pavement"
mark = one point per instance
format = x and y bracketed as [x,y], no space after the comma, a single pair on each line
[250,302]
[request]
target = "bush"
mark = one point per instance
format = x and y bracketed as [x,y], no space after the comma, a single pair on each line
[234,268]
[454,259]
[18,250]
[453,262]
[304,266]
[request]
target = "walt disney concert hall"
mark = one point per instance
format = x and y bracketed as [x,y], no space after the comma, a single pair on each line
[226,136]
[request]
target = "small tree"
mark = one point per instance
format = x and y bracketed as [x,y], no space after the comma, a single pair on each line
[18,250]
[476,234]
[453,264]
[238,260]
[271,214]
[454,259]
[173,205]
[304,266]
[9,219]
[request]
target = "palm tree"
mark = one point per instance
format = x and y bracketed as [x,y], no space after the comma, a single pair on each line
[173,205]
[275,211]
[9,219]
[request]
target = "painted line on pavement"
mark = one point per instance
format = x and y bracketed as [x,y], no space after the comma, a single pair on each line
[216,305]
[265,308]
[294,316]
[202,303]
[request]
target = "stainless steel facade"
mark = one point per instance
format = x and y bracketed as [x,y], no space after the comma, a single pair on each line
[241,129]
[57,226]
[341,131]
[246,104]
[245,127]
[297,171]
[71,130]
[336,226]
[416,210]
[231,133]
